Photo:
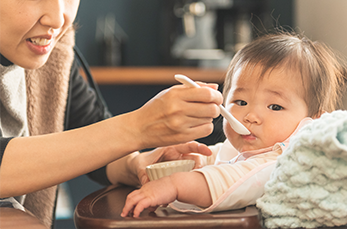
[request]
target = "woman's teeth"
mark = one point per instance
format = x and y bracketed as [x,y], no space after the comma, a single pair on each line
[40,41]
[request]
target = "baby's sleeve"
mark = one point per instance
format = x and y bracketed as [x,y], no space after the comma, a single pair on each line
[234,186]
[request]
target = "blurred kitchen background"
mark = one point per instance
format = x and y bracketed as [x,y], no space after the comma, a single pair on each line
[173,32]
[197,34]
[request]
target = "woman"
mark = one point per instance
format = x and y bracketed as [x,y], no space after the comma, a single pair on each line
[42,95]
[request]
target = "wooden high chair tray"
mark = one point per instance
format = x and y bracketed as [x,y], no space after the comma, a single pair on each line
[101,210]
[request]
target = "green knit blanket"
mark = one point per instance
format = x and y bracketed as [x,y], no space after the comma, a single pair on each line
[308,187]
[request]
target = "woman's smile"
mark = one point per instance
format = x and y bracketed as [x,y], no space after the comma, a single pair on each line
[40,45]
[30,29]
[40,41]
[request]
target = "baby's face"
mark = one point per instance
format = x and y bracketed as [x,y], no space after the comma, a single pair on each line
[30,29]
[270,108]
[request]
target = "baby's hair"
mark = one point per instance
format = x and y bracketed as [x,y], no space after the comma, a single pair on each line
[322,71]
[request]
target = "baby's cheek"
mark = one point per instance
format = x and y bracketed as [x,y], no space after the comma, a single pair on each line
[276,135]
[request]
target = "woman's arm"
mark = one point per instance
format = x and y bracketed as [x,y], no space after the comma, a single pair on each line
[33,163]
[176,115]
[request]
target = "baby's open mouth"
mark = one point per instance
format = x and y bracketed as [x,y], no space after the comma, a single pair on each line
[40,41]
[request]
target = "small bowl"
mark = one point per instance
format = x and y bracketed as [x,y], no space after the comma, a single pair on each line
[167,168]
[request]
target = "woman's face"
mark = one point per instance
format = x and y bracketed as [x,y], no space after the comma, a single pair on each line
[29,29]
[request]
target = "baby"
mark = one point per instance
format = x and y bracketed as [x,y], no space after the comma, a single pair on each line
[274,86]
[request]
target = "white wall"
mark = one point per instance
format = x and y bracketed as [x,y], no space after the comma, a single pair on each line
[324,20]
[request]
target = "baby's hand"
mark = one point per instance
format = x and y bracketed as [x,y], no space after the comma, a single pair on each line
[151,195]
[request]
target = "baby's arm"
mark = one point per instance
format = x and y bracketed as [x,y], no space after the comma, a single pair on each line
[188,187]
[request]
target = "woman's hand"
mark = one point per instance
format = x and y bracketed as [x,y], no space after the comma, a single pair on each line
[191,150]
[176,115]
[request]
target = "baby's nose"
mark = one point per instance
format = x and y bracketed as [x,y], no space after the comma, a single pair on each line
[252,117]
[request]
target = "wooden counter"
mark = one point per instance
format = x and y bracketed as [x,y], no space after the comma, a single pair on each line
[11,218]
[154,75]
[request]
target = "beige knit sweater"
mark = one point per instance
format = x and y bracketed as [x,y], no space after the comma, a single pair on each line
[47,91]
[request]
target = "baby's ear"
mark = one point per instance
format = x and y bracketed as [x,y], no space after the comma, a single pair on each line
[318,114]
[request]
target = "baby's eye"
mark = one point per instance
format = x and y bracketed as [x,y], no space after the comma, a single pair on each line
[241,102]
[275,107]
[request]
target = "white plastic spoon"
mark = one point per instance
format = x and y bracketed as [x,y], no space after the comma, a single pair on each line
[234,123]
